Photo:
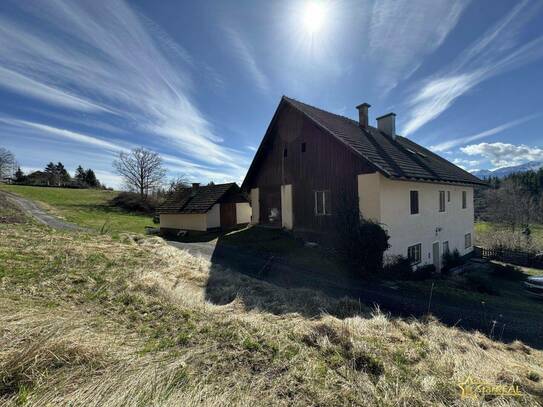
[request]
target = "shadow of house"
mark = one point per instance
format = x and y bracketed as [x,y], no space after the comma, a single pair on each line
[269,281]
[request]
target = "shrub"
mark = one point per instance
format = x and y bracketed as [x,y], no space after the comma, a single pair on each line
[480,283]
[424,272]
[451,260]
[132,202]
[401,267]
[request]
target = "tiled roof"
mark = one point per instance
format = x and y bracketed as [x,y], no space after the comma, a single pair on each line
[196,199]
[399,159]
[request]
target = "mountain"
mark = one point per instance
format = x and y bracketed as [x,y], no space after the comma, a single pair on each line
[505,171]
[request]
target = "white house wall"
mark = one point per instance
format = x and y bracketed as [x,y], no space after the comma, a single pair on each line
[182,221]
[243,212]
[286,206]
[391,206]
[214,217]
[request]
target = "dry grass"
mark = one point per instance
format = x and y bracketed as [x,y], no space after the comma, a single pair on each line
[87,320]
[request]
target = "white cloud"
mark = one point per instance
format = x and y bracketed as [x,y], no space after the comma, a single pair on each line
[105,59]
[487,133]
[503,154]
[252,148]
[401,33]
[468,165]
[246,55]
[500,49]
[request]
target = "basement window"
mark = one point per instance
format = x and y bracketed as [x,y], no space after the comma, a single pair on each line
[467,241]
[303,147]
[322,203]
[414,253]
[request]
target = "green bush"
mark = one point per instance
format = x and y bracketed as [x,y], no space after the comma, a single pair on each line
[401,268]
[132,202]
[451,260]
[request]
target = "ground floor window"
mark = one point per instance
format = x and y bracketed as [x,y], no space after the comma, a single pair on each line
[445,247]
[322,203]
[414,253]
[467,240]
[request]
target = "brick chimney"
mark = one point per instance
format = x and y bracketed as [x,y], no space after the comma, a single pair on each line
[363,114]
[387,124]
[195,185]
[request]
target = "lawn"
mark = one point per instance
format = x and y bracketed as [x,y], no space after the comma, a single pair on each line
[484,230]
[89,320]
[85,207]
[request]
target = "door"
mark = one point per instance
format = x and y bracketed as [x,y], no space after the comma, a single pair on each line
[436,256]
[228,215]
[270,206]
[286,206]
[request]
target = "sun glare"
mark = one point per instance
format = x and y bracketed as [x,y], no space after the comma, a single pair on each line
[313,16]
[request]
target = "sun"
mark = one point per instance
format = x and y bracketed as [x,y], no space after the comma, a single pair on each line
[314,16]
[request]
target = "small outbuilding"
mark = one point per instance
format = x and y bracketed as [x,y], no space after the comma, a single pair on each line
[202,208]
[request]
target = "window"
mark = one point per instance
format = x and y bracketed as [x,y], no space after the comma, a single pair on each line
[441,201]
[414,198]
[303,147]
[285,152]
[467,241]
[445,247]
[464,199]
[413,253]
[322,203]
[448,196]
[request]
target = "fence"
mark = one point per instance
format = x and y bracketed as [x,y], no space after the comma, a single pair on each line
[518,257]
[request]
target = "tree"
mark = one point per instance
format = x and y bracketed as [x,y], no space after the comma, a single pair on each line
[141,169]
[51,173]
[7,163]
[19,175]
[90,179]
[80,175]
[62,176]
[178,185]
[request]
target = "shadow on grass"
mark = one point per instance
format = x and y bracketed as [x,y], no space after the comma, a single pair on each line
[272,271]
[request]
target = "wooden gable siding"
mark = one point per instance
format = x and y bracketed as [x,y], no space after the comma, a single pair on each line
[326,165]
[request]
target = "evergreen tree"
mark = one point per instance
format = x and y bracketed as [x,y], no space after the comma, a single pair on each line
[90,179]
[62,175]
[19,175]
[80,175]
[51,173]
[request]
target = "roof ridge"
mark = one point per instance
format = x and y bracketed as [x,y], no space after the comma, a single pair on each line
[322,110]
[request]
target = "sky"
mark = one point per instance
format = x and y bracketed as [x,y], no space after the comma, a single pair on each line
[198,82]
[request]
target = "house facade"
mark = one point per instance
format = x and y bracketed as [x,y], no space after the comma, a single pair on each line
[313,165]
[202,208]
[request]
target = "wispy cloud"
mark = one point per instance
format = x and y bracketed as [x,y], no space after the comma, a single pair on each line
[447,145]
[400,35]
[107,60]
[504,154]
[245,54]
[500,49]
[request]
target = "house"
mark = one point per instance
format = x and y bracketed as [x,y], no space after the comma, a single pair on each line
[312,164]
[202,208]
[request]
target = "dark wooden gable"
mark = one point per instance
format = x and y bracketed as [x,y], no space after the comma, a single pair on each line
[299,152]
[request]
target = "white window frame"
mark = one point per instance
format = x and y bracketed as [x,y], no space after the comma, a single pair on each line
[441,194]
[325,203]
[466,246]
[419,245]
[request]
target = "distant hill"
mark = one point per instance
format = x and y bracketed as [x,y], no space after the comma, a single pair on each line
[505,171]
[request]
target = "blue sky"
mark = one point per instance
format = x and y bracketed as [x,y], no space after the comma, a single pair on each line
[198,82]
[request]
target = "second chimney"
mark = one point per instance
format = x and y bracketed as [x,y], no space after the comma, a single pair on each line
[363,114]
[387,124]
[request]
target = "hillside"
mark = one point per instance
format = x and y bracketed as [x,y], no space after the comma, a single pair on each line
[85,207]
[505,171]
[88,320]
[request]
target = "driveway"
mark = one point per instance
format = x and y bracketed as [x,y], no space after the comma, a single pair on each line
[32,209]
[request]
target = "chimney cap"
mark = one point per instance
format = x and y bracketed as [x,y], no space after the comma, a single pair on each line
[363,105]
[386,115]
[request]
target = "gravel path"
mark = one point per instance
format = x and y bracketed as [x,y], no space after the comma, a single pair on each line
[32,209]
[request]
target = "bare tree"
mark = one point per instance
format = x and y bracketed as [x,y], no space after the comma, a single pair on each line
[141,169]
[7,163]
[177,185]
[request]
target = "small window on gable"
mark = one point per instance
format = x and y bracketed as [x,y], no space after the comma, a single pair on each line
[285,152]
[467,241]
[322,203]
[464,199]
[414,202]
[448,196]
[441,201]
[414,253]
[303,147]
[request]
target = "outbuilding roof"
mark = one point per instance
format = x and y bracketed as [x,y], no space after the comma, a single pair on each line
[197,199]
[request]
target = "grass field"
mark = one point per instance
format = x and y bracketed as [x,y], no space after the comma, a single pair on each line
[85,207]
[485,230]
[88,320]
